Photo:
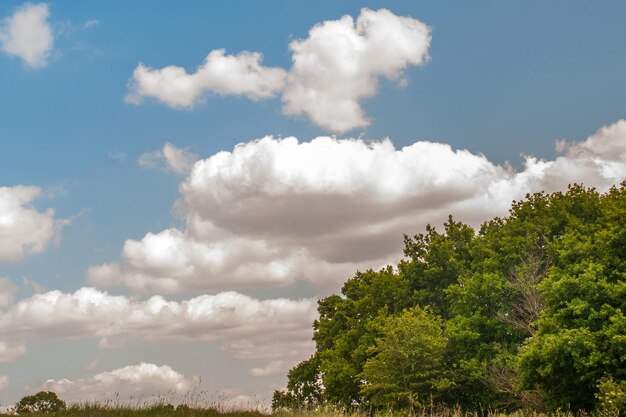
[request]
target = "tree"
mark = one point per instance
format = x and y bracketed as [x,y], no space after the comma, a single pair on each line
[345,332]
[304,387]
[42,402]
[527,313]
[580,346]
[407,367]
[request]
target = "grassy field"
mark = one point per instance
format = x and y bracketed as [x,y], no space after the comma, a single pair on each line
[169,411]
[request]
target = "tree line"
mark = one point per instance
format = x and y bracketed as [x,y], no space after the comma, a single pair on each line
[525,313]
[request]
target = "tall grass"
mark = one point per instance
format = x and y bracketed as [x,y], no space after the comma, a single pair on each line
[166,410]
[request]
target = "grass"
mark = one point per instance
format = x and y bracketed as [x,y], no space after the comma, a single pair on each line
[97,410]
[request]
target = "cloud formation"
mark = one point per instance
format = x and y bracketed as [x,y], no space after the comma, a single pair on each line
[221,74]
[145,381]
[245,326]
[276,211]
[27,34]
[4,382]
[337,66]
[169,159]
[23,229]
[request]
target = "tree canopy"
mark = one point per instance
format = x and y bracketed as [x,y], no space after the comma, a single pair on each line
[41,402]
[526,312]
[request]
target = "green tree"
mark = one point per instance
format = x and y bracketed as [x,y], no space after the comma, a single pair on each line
[581,339]
[304,387]
[532,309]
[41,402]
[407,366]
[344,332]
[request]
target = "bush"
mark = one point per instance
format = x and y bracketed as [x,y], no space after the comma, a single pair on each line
[42,402]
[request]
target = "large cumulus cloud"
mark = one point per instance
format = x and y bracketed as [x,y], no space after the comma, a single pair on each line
[275,211]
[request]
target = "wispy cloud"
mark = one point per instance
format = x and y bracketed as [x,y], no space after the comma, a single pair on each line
[117,156]
[91,23]
[169,159]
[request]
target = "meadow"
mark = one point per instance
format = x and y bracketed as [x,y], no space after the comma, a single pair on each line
[216,410]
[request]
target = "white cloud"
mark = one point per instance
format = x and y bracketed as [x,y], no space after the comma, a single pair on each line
[276,211]
[27,34]
[11,351]
[222,74]
[169,159]
[339,64]
[144,381]
[246,327]
[7,290]
[607,144]
[4,382]
[23,229]
[274,368]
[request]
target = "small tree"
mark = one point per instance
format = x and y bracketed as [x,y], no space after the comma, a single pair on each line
[42,402]
[407,367]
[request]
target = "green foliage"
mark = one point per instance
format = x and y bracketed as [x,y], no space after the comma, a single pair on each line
[304,389]
[407,366]
[346,330]
[581,340]
[42,402]
[526,313]
[611,396]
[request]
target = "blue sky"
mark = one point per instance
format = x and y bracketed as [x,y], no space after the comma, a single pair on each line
[496,81]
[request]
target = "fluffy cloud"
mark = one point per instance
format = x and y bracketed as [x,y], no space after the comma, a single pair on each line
[247,327]
[27,34]
[341,61]
[275,211]
[144,381]
[221,74]
[169,159]
[337,66]
[4,382]
[23,229]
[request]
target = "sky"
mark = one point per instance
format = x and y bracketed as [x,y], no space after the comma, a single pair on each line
[180,183]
